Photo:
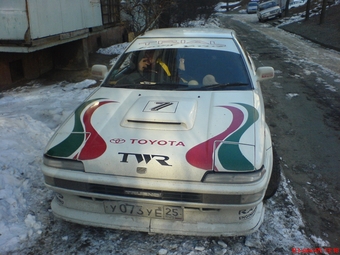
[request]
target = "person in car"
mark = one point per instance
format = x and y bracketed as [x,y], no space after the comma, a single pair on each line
[151,62]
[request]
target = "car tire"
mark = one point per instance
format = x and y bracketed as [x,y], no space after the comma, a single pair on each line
[275,178]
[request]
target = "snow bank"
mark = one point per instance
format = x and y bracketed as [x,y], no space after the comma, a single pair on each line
[28,118]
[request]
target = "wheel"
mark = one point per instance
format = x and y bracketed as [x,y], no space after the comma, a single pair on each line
[275,178]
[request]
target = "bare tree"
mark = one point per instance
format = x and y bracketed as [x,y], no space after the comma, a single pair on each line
[323,11]
[141,15]
[287,8]
[307,9]
[192,9]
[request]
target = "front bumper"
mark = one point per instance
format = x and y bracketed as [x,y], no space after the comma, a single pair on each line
[197,222]
[209,209]
[269,15]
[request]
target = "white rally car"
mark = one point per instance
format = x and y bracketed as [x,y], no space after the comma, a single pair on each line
[173,141]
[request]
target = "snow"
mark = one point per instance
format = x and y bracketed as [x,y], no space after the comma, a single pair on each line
[116,49]
[221,6]
[29,116]
[291,95]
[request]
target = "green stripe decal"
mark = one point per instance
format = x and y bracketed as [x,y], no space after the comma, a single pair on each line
[229,154]
[67,147]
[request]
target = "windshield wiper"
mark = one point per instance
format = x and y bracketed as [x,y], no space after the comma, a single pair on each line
[223,85]
[150,85]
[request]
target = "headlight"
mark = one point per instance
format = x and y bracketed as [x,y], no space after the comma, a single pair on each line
[234,177]
[64,163]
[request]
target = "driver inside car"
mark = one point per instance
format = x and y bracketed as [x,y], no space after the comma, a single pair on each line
[151,62]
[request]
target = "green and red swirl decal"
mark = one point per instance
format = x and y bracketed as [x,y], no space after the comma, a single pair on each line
[229,153]
[83,142]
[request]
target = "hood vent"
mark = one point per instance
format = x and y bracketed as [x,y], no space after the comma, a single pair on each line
[154,122]
[160,114]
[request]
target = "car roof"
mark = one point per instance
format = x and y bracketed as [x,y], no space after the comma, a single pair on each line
[190,33]
[266,2]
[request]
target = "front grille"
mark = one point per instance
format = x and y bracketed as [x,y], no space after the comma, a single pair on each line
[143,193]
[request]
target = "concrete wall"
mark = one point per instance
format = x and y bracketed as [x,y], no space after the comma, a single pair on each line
[105,38]
[15,67]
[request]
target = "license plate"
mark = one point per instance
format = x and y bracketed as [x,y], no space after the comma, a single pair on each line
[144,210]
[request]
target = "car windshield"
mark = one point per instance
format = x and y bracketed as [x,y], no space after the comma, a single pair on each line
[252,4]
[180,69]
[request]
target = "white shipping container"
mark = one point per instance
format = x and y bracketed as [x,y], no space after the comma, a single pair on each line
[42,18]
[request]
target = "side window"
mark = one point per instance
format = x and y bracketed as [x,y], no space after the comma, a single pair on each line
[126,62]
[110,11]
[226,67]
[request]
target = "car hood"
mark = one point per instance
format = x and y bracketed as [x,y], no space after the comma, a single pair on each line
[163,134]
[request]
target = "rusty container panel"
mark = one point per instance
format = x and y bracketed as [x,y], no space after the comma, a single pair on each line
[44,17]
[13,20]
[72,15]
[92,14]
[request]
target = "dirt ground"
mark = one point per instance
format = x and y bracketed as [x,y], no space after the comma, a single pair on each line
[305,130]
[326,34]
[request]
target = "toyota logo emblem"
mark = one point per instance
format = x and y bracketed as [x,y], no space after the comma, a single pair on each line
[117,141]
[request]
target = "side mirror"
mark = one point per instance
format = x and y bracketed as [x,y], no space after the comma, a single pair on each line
[99,71]
[264,73]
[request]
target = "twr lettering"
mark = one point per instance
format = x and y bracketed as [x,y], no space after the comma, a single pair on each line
[161,159]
